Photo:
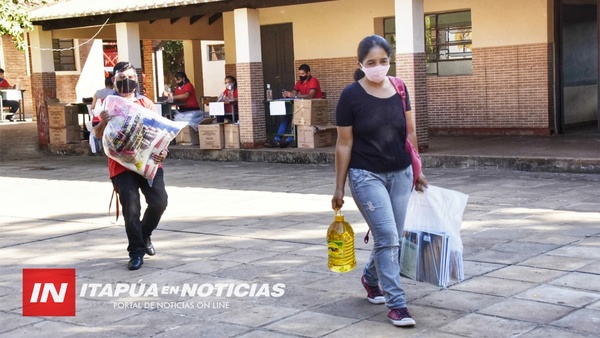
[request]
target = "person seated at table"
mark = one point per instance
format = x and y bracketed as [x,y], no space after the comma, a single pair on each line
[101,94]
[14,105]
[229,97]
[307,87]
[188,109]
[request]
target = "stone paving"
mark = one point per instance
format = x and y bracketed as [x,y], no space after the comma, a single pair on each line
[531,251]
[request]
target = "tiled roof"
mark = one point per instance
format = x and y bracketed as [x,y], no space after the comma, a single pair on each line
[82,8]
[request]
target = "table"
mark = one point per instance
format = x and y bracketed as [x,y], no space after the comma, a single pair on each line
[270,119]
[84,111]
[14,95]
[167,109]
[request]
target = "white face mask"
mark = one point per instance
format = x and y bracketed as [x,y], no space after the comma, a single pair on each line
[375,74]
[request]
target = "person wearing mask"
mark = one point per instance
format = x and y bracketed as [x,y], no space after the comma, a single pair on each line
[14,105]
[229,97]
[128,184]
[378,168]
[188,109]
[307,87]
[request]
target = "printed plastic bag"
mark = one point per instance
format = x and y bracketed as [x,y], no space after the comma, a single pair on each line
[432,236]
[134,133]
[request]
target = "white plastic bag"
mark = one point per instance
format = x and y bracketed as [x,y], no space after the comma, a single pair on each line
[134,133]
[433,222]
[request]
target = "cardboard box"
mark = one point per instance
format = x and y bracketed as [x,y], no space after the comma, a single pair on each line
[60,116]
[316,136]
[65,135]
[211,136]
[232,136]
[188,136]
[310,112]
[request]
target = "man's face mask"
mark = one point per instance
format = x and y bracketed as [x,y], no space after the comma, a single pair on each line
[126,86]
[126,83]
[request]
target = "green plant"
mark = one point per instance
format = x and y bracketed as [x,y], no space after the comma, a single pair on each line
[14,19]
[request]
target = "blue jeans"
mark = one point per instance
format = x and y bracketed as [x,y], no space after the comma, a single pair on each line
[283,128]
[382,199]
[128,185]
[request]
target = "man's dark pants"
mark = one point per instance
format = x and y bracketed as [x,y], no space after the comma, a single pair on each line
[128,185]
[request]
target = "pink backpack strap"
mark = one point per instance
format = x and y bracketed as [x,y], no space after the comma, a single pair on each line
[400,89]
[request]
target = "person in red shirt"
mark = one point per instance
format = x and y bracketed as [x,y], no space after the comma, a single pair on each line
[307,87]
[185,93]
[14,105]
[128,183]
[188,109]
[230,98]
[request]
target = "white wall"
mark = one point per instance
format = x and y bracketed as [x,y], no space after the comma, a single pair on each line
[213,71]
[92,74]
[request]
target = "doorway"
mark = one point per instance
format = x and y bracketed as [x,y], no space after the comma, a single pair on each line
[278,57]
[577,67]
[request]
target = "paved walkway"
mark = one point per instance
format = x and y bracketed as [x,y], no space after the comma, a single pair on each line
[531,249]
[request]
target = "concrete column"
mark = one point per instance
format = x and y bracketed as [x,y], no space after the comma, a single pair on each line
[249,70]
[128,43]
[192,59]
[43,79]
[410,62]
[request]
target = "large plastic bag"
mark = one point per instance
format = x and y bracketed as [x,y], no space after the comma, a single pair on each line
[431,249]
[134,133]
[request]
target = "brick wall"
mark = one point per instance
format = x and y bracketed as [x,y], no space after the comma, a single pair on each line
[147,51]
[65,87]
[44,88]
[411,69]
[230,69]
[251,108]
[333,75]
[509,93]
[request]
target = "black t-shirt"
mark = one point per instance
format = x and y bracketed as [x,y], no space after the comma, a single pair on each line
[378,127]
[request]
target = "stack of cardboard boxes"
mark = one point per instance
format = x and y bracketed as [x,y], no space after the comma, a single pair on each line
[63,121]
[311,119]
[219,136]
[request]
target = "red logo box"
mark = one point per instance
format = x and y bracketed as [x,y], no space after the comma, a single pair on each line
[49,292]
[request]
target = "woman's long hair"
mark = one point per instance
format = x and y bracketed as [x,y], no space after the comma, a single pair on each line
[232,79]
[182,76]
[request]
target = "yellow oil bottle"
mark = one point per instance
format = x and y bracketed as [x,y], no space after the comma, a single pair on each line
[340,245]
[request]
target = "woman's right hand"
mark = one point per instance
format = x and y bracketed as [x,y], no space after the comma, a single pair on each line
[337,201]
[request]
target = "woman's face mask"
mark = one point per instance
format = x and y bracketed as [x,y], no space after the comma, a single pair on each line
[375,74]
[229,86]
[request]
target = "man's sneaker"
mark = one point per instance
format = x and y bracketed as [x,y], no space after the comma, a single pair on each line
[401,317]
[374,293]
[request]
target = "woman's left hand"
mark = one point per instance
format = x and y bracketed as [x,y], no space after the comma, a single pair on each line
[160,156]
[421,183]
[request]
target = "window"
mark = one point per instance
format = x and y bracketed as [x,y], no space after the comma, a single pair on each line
[216,52]
[448,43]
[389,33]
[64,54]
